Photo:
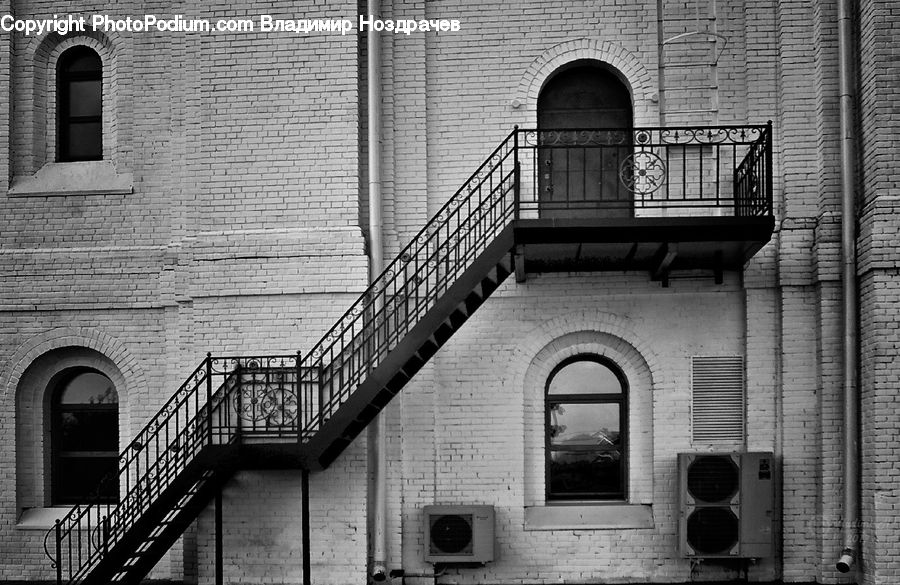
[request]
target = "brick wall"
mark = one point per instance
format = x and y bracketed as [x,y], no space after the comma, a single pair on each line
[879,285]
[241,235]
[262,539]
[243,204]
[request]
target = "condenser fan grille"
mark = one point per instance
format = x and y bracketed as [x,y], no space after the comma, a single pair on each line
[451,534]
[712,531]
[712,479]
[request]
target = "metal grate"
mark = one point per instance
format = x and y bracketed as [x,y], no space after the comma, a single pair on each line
[713,531]
[713,479]
[717,399]
[451,534]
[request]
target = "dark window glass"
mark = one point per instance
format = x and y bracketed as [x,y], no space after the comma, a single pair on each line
[85,438]
[80,105]
[586,416]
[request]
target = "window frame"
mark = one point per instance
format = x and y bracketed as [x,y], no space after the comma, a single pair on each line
[595,398]
[64,121]
[58,494]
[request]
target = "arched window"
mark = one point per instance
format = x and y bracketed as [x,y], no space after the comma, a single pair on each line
[85,437]
[79,75]
[586,414]
[580,171]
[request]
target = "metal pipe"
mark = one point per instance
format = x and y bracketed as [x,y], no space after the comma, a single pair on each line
[376,438]
[849,552]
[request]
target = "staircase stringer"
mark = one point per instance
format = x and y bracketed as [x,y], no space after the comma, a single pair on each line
[366,356]
[390,375]
[189,449]
[132,557]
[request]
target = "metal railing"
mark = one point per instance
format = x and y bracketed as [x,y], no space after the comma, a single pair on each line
[647,172]
[636,172]
[223,401]
[412,283]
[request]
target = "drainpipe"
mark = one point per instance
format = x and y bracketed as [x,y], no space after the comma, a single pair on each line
[849,554]
[376,433]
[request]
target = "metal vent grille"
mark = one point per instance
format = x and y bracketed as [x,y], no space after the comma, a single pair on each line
[713,479]
[713,531]
[717,399]
[451,534]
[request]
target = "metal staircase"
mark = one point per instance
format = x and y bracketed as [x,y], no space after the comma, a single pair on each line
[296,411]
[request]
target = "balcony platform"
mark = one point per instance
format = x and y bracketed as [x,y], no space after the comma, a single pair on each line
[656,245]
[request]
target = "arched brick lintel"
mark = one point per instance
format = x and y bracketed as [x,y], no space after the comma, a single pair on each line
[624,62]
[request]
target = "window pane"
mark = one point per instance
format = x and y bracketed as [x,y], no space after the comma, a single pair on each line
[80,478]
[84,98]
[89,388]
[574,473]
[593,426]
[86,430]
[84,141]
[585,377]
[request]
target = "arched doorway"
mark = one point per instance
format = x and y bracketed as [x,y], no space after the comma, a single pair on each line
[584,119]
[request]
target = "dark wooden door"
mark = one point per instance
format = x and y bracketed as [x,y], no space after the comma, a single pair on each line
[585,120]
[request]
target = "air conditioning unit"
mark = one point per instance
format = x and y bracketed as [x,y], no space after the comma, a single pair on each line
[459,534]
[727,505]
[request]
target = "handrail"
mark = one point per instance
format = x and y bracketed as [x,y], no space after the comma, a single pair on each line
[413,280]
[180,430]
[724,168]
[651,170]
[390,270]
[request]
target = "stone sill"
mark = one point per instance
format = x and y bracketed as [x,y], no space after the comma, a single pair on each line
[580,516]
[41,518]
[73,178]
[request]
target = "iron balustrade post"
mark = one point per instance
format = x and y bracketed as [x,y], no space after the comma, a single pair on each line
[516,173]
[105,531]
[209,398]
[300,400]
[58,528]
[770,204]
[321,384]
[239,405]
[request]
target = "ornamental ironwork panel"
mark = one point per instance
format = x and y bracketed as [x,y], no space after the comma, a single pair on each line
[646,172]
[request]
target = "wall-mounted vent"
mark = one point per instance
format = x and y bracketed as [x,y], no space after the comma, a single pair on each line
[717,399]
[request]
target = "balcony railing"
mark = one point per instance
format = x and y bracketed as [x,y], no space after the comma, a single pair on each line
[532,174]
[646,172]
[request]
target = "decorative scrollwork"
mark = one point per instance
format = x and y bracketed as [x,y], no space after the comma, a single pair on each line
[711,135]
[641,136]
[272,402]
[643,172]
[581,137]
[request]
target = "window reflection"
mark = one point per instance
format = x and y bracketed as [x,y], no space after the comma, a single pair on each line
[585,431]
[85,435]
[80,105]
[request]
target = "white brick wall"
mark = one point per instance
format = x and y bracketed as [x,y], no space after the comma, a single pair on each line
[242,235]
[262,538]
[488,417]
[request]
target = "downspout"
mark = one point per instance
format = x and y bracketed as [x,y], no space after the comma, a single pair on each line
[849,553]
[376,434]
